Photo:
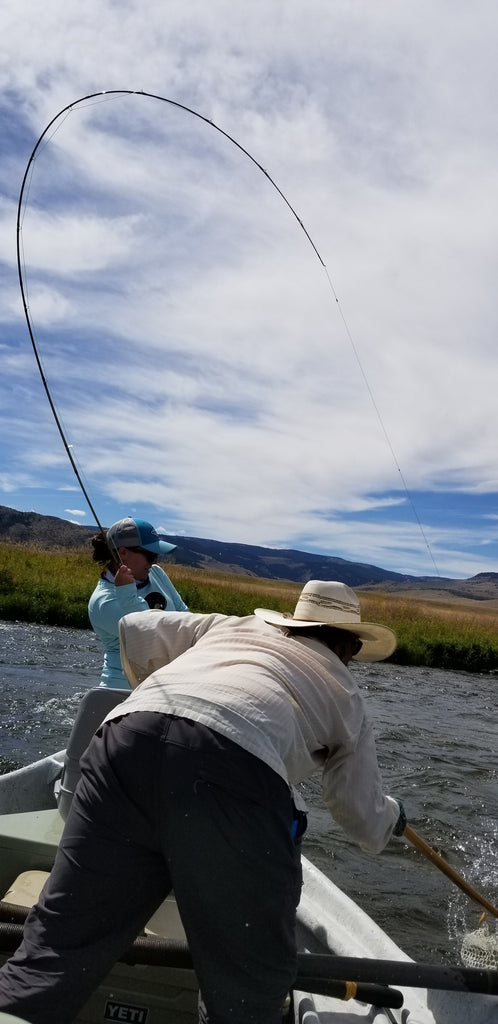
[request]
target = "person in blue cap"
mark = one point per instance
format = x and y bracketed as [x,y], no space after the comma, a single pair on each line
[131,581]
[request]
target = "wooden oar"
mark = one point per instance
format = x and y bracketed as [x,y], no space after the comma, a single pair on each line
[443,866]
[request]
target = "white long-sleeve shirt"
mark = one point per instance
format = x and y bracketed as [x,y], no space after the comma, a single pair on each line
[287,699]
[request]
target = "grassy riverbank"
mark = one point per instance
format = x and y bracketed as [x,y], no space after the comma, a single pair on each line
[53,588]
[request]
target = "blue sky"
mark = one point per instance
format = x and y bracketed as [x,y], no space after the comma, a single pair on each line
[210,373]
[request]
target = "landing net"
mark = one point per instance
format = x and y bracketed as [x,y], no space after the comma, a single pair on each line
[480,948]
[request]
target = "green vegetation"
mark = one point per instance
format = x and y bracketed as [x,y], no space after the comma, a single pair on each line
[51,588]
[54,587]
[438,634]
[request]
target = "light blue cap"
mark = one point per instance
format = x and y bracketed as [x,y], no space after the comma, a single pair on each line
[137,533]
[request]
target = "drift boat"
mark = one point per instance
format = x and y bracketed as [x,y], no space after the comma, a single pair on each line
[349,969]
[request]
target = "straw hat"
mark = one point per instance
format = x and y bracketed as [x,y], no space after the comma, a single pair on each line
[329,603]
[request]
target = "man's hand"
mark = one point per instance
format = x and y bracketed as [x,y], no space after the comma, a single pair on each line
[401,823]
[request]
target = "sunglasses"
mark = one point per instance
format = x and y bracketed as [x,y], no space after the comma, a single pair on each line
[149,555]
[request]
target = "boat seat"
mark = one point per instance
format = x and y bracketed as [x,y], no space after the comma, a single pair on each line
[26,888]
[165,922]
[94,707]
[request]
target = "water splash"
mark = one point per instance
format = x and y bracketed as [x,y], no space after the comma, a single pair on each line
[475,932]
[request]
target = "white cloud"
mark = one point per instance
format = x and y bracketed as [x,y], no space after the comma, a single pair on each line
[190,335]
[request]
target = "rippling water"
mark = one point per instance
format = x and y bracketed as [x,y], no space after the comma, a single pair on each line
[437,739]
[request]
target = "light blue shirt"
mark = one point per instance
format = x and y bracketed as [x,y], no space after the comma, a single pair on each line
[109,603]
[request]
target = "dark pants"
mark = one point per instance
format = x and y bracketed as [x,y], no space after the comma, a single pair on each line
[166,803]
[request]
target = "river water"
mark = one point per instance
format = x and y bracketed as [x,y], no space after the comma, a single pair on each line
[437,741]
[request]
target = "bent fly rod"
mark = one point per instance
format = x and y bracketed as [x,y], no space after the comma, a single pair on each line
[104,96]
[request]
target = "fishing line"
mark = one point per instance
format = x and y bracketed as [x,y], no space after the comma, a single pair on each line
[107,95]
[382,424]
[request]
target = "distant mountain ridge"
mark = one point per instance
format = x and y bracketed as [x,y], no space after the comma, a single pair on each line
[248,559]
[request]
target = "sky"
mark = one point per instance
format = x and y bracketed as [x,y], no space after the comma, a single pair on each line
[258,268]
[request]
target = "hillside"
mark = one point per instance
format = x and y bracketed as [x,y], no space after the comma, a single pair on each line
[270,563]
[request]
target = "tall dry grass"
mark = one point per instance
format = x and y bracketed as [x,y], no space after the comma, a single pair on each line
[54,587]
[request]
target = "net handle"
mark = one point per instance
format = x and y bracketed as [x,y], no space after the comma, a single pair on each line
[417,841]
